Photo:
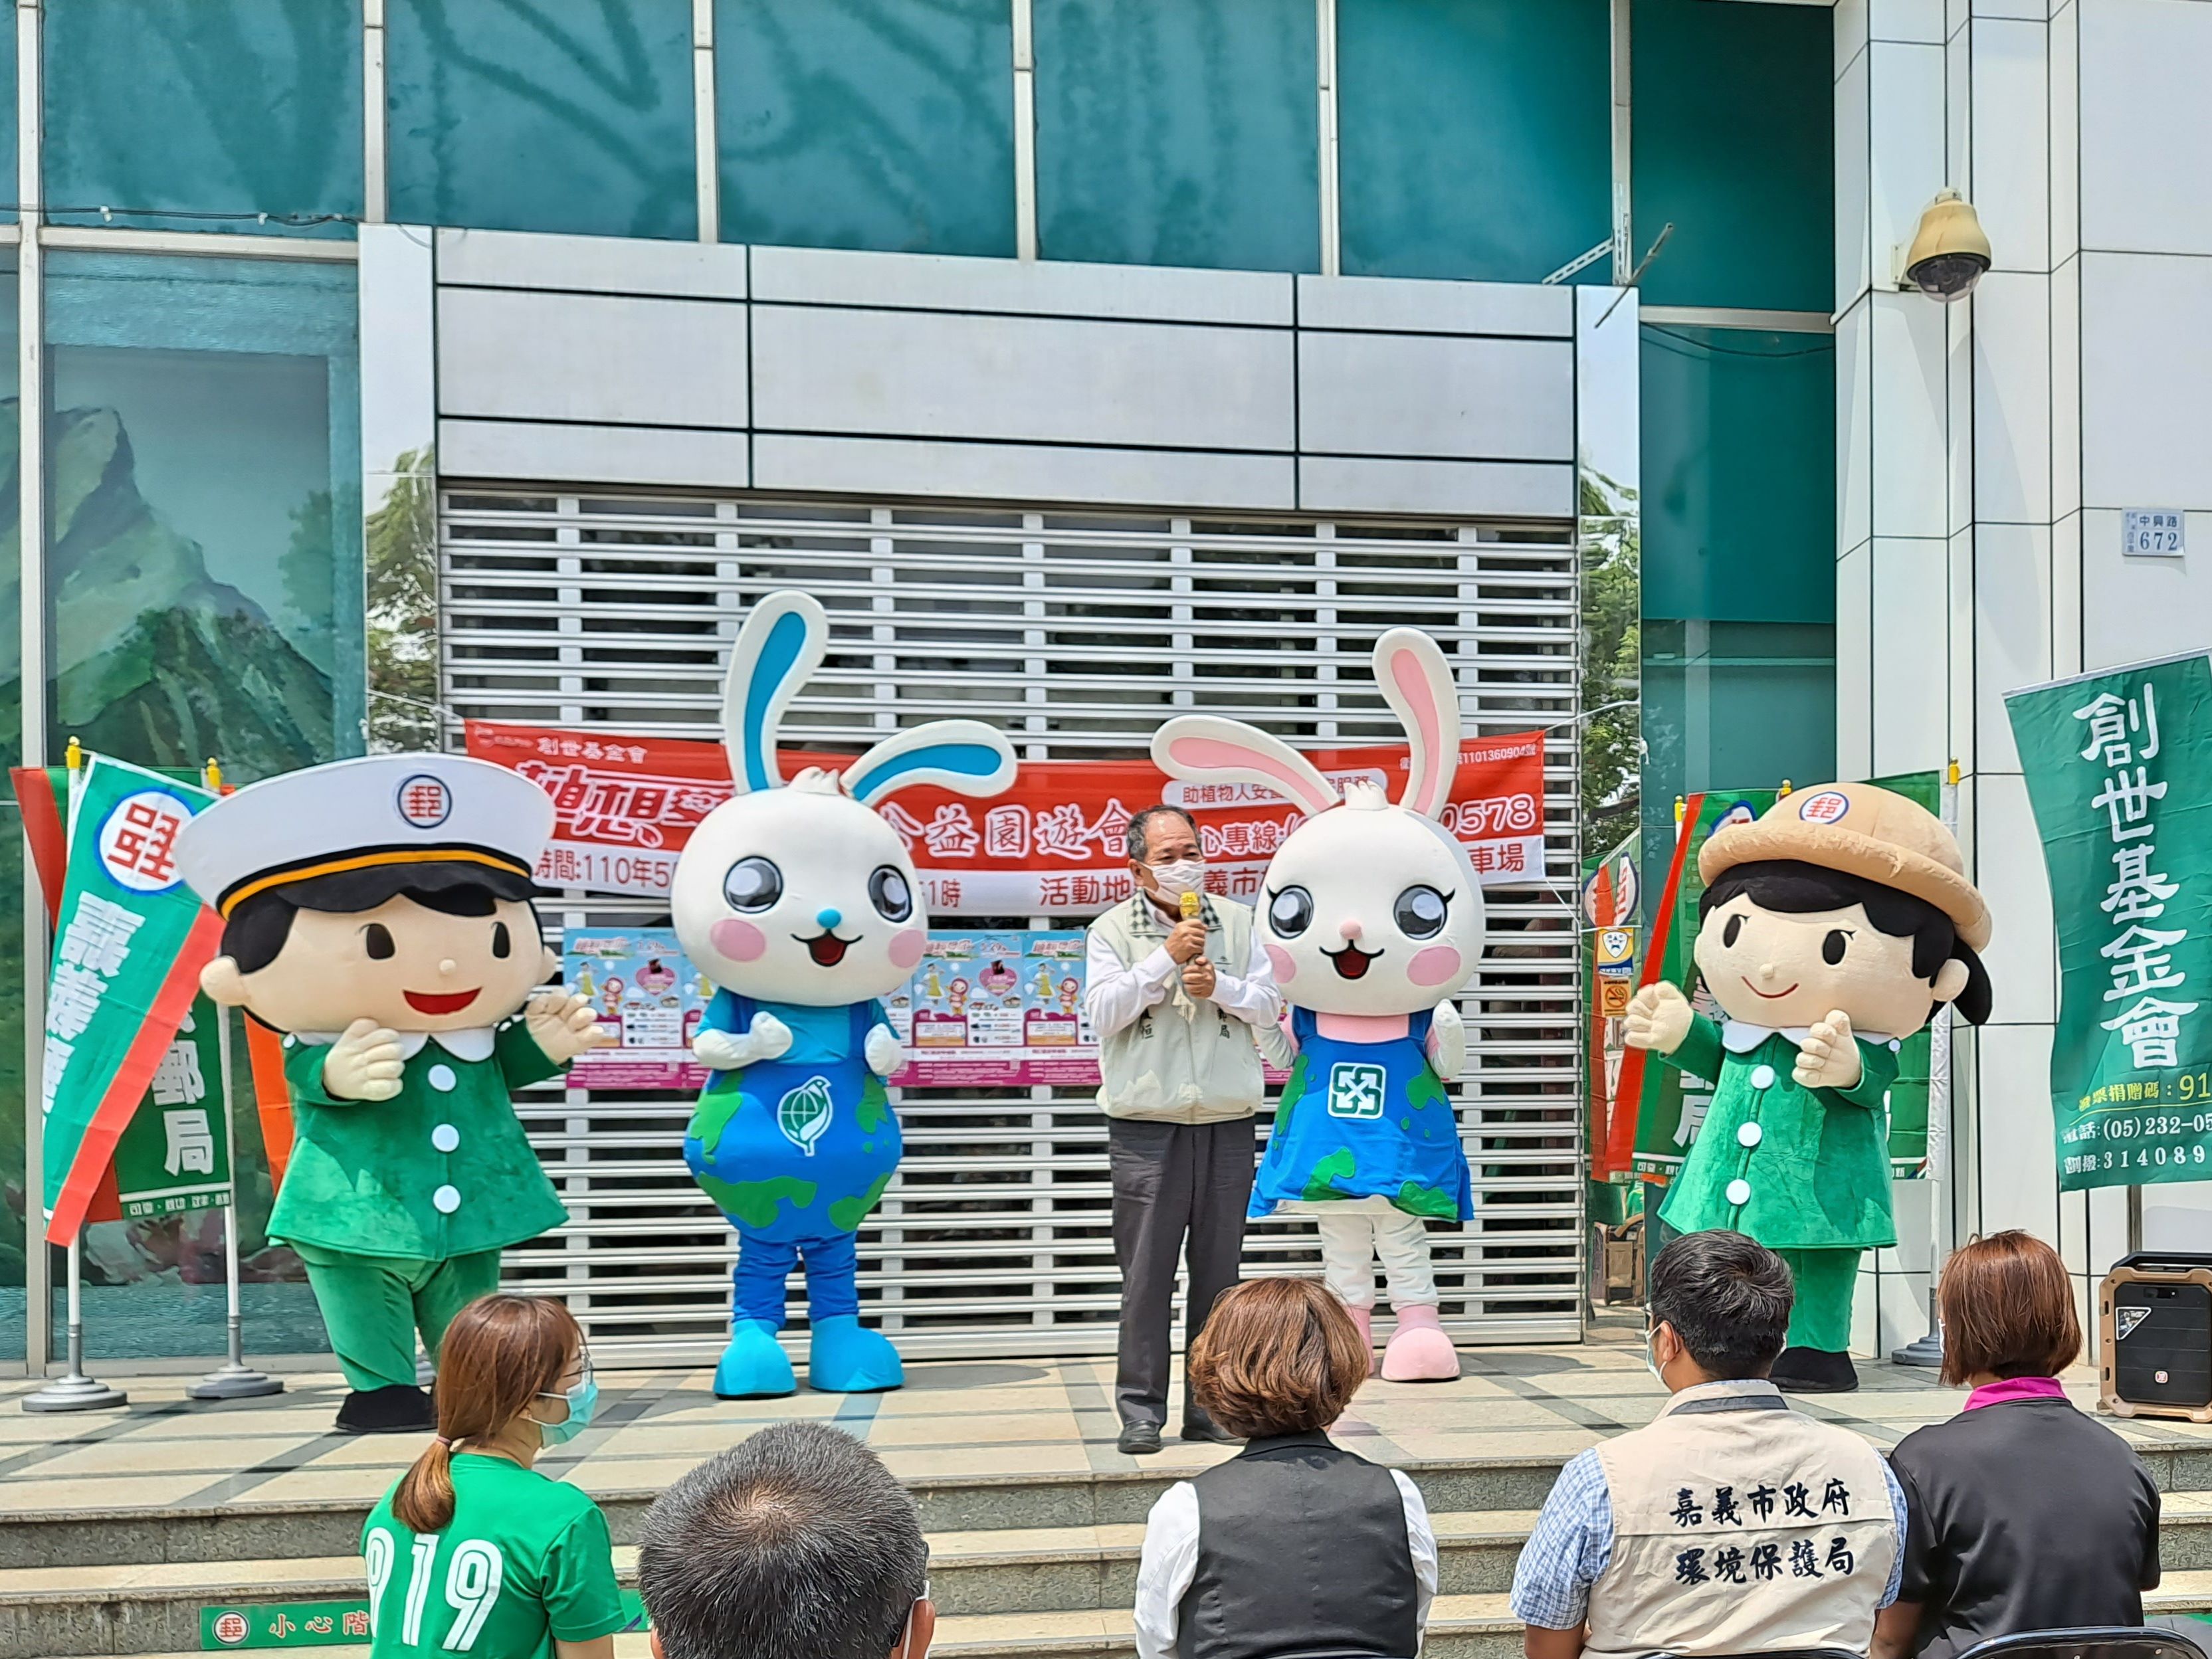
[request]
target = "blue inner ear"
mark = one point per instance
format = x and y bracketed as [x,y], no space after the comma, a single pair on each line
[779,651]
[967,760]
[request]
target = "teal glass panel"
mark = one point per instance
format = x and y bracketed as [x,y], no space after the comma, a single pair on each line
[167,111]
[1739,452]
[1734,141]
[1178,132]
[867,124]
[8,150]
[512,115]
[205,577]
[13,1233]
[1474,136]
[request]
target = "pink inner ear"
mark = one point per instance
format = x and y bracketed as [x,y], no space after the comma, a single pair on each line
[1214,754]
[1286,969]
[906,946]
[737,939]
[1437,965]
[1405,669]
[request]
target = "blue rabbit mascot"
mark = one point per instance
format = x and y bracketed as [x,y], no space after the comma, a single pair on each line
[799,903]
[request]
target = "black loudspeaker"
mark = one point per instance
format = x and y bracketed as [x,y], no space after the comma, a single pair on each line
[2154,1324]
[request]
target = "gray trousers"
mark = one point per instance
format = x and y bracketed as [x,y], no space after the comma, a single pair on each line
[1179,1190]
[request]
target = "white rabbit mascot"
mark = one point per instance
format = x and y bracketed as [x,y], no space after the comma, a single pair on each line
[1370,914]
[799,902]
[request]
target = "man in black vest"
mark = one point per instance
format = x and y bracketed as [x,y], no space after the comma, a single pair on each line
[1294,1546]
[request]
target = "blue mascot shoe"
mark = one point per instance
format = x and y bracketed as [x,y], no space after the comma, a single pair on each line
[753,1366]
[847,1358]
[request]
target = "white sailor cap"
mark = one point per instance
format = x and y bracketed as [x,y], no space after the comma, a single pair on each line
[357,814]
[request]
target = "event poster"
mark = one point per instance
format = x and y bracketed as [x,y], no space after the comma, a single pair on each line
[1051,845]
[982,1010]
[2118,769]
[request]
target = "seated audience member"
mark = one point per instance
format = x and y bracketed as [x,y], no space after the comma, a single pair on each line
[2025,1514]
[1731,1523]
[796,1544]
[1294,1545]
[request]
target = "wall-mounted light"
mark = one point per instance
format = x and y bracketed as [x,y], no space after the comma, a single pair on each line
[1950,252]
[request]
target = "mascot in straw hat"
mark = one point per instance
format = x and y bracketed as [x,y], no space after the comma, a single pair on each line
[1831,929]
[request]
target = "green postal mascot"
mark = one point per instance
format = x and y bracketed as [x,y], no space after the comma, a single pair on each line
[377,913]
[1831,928]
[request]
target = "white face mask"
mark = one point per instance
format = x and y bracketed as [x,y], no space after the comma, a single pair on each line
[906,1636]
[1184,876]
[1650,1358]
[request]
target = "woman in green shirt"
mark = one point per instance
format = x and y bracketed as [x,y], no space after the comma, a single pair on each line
[473,1552]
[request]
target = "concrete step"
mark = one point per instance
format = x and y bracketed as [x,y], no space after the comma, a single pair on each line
[1060,1581]
[247,1531]
[1460,1627]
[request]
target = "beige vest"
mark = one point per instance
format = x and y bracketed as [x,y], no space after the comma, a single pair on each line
[1739,1530]
[1173,1065]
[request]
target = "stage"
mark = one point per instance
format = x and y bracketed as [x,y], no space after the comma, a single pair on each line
[117,1529]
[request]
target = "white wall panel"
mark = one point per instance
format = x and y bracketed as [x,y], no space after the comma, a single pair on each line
[1411,306]
[2146,380]
[2019,1167]
[1918,20]
[398,364]
[2011,116]
[2132,609]
[1910,368]
[556,450]
[612,359]
[2145,125]
[1854,243]
[2011,609]
[1045,288]
[1468,399]
[1046,472]
[1854,424]
[591,264]
[927,374]
[2012,397]
[1910,655]
[1509,489]
[1905,126]
[2066,388]
[1855,663]
[2009,869]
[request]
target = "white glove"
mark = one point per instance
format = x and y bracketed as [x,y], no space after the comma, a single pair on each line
[727,1051]
[882,1051]
[364,1064]
[1829,1058]
[1658,1017]
[564,1025]
[1447,1043]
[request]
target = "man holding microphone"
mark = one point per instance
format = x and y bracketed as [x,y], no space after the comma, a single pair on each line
[1181,997]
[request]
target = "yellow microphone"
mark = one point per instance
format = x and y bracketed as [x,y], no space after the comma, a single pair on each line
[1190,907]
[1184,1005]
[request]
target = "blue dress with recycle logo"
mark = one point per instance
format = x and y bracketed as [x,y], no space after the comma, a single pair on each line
[1362,1120]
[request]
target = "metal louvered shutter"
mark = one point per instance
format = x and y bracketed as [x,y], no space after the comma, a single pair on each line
[1077,633]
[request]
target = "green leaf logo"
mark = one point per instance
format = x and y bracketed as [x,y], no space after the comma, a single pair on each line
[804,1114]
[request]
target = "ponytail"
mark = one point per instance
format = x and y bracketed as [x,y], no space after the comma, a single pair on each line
[498,1355]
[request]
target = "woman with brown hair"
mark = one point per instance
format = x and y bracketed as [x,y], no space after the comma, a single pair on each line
[473,1551]
[2021,1512]
[1293,1546]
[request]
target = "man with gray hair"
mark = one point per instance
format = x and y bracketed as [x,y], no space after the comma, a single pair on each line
[796,1544]
[1182,998]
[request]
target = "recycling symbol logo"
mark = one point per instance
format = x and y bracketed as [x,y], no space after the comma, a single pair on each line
[1356,1090]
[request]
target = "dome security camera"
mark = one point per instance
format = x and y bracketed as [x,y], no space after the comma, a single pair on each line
[1949,251]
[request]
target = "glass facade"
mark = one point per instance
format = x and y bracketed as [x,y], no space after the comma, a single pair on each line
[573,117]
[1178,132]
[201,114]
[867,123]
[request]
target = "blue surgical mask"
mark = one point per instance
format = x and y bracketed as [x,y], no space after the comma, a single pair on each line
[583,1400]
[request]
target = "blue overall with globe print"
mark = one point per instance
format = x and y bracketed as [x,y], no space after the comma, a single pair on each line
[1365,1120]
[795,1151]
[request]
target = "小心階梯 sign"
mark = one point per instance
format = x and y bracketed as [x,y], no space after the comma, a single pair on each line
[2118,769]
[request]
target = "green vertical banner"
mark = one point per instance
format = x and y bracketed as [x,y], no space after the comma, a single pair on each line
[175,1155]
[129,940]
[2118,768]
[1673,1102]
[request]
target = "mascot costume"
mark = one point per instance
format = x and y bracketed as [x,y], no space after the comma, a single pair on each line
[1371,917]
[377,912]
[1831,928]
[799,903]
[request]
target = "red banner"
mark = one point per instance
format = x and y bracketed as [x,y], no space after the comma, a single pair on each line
[1050,845]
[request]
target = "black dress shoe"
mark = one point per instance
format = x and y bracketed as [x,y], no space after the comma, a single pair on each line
[1199,1426]
[1138,1439]
[397,1409]
[1813,1370]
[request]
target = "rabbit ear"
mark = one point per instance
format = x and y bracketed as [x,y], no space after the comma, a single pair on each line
[778,649]
[966,755]
[1205,747]
[1412,670]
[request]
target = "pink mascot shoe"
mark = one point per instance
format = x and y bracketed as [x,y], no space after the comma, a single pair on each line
[1421,1351]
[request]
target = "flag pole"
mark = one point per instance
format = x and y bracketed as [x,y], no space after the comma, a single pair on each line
[1927,1351]
[234,1379]
[75,1392]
